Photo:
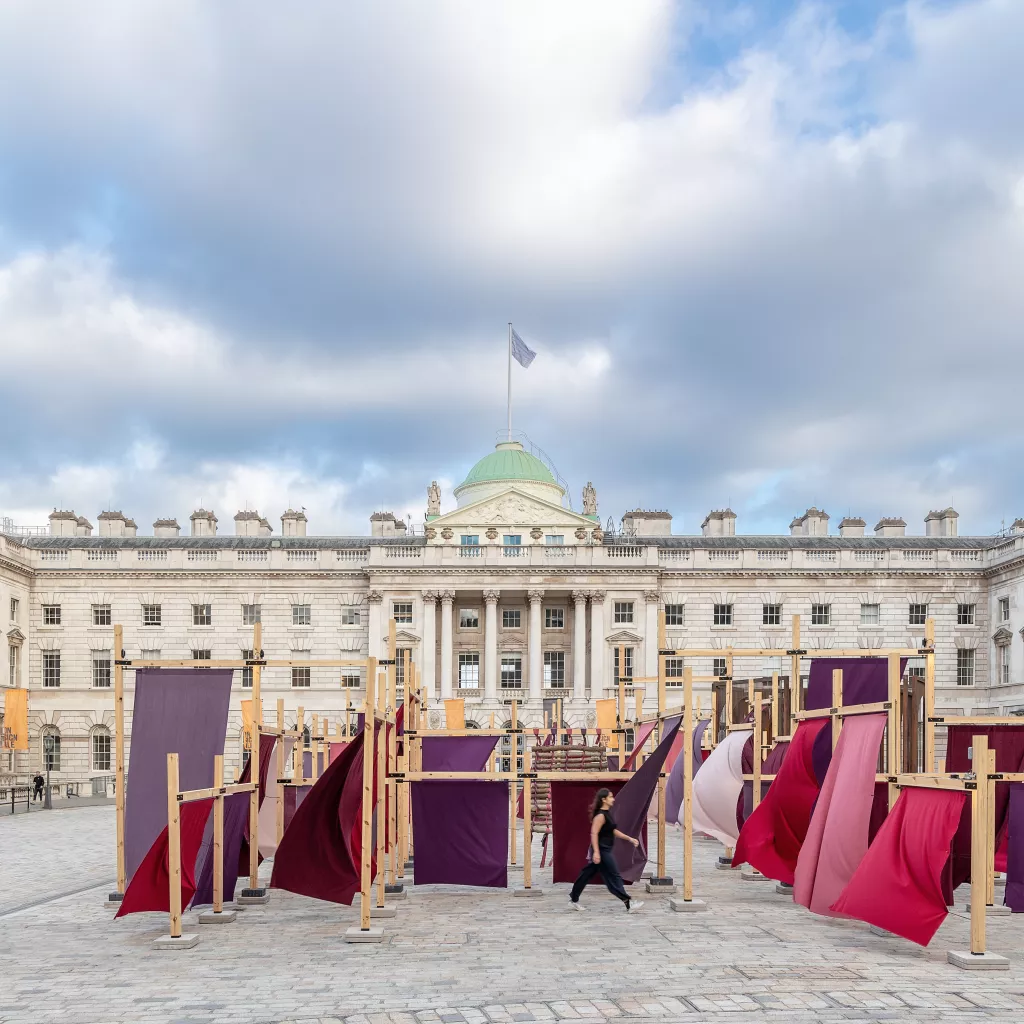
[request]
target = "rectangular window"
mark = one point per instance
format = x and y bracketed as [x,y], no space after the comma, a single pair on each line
[51,750]
[202,615]
[247,671]
[675,615]
[627,672]
[511,671]
[101,751]
[51,614]
[469,618]
[149,655]
[252,614]
[302,615]
[101,669]
[151,614]
[623,612]
[821,614]
[301,673]
[722,615]
[1004,665]
[771,615]
[402,612]
[14,609]
[51,669]
[471,540]
[511,618]
[917,614]
[870,614]
[401,655]
[964,667]
[965,614]
[673,671]
[554,669]
[12,664]
[554,539]
[350,616]
[469,670]
[351,679]
[718,667]
[554,618]
[101,614]
[512,540]
[1004,610]
[201,654]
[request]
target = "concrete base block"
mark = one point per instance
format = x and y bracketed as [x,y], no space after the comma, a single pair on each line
[687,906]
[356,934]
[753,875]
[995,910]
[400,894]
[383,912]
[783,889]
[184,941]
[114,899]
[969,961]
[224,917]
[999,881]
[875,930]
[409,865]
[528,893]
[515,867]
[655,888]
[724,864]
[252,897]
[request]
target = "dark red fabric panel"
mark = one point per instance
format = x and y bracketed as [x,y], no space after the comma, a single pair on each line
[150,886]
[898,884]
[1008,743]
[570,826]
[771,837]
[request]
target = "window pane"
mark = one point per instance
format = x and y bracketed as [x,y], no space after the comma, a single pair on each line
[513,539]
[964,667]
[101,670]
[469,669]
[202,615]
[151,614]
[469,618]
[101,751]
[51,614]
[723,615]
[554,538]
[511,618]
[301,673]
[554,668]
[675,615]
[870,614]
[302,615]
[51,668]
[627,673]
[821,614]
[402,611]
[511,670]
[251,614]
[623,612]
[771,615]
[918,614]
[101,614]
[470,539]
[350,616]
[554,618]
[965,614]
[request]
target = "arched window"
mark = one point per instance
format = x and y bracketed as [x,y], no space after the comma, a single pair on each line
[506,750]
[470,724]
[305,738]
[630,740]
[50,743]
[101,749]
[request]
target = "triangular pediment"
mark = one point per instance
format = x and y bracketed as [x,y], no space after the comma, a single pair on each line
[403,638]
[510,509]
[623,636]
[15,637]
[1002,637]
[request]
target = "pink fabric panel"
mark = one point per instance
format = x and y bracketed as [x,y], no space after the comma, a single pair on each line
[267,818]
[717,787]
[837,837]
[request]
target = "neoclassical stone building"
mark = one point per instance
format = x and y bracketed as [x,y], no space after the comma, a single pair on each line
[511,595]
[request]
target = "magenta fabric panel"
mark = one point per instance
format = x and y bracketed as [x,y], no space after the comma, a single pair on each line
[461,830]
[1014,897]
[236,821]
[674,785]
[457,753]
[177,710]
[837,837]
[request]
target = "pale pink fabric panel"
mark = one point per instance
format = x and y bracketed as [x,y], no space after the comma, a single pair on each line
[717,787]
[267,819]
[837,838]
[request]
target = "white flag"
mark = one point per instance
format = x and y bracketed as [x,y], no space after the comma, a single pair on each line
[522,352]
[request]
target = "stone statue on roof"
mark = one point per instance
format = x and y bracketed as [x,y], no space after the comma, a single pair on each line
[589,500]
[433,499]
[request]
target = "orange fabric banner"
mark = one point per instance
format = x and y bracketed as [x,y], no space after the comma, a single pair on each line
[607,712]
[247,725]
[15,720]
[455,714]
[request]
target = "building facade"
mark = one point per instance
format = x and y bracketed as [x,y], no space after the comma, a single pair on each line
[512,595]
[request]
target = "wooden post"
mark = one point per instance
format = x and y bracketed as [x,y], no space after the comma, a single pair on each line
[929,696]
[796,699]
[218,834]
[514,786]
[620,710]
[122,876]
[837,702]
[300,744]
[776,715]
[254,754]
[990,830]
[381,752]
[756,787]
[278,784]
[979,842]
[365,881]
[402,764]
[173,845]
[314,748]
[662,643]
[728,695]
[528,823]
[687,756]
[392,758]
[894,746]
[714,714]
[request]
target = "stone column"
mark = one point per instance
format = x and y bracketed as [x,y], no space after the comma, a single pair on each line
[447,600]
[536,666]
[428,668]
[373,601]
[491,643]
[652,597]
[597,681]
[579,645]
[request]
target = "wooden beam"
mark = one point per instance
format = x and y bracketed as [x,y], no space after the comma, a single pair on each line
[173,846]
[122,875]
[687,755]
[365,880]
[254,755]
[929,696]
[279,754]
[837,702]
[979,844]
[218,835]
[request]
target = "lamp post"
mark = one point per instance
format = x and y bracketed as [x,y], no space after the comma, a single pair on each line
[47,761]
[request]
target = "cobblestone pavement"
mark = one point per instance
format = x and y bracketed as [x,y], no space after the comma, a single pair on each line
[473,956]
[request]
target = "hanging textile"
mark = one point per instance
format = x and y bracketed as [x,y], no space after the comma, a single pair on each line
[1014,897]
[177,710]
[150,885]
[266,751]
[461,829]
[570,825]
[674,785]
[457,753]
[898,883]
[717,787]
[267,817]
[773,834]
[643,734]
[837,837]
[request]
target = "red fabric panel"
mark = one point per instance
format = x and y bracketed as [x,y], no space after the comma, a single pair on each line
[150,887]
[773,834]
[898,884]
[1008,743]
[643,734]
[570,825]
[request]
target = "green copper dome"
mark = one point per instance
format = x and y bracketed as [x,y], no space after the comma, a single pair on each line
[510,463]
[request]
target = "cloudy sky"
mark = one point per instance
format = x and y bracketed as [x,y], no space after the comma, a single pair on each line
[769,253]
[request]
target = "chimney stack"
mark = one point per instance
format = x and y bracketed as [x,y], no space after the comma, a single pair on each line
[166,528]
[852,526]
[890,526]
[719,523]
[293,524]
[941,523]
[204,523]
[813,523]
[115,524]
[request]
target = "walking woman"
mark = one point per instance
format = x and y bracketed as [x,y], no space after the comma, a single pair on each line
[602,837]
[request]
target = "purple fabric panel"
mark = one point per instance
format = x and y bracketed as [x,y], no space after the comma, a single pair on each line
[457,753]
[461,830]
[633,802]
[236,818]
[674,784]
[1014,897]
[177,710]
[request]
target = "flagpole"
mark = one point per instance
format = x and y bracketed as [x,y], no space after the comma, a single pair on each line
[510,380]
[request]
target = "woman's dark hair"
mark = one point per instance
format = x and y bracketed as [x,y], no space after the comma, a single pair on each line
[595,810]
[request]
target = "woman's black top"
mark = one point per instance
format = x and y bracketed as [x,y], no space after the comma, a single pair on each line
[606,835]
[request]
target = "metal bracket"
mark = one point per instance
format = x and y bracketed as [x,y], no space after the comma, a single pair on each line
[254,662]
[668,652]
[386,662]
[527,775]
[123,662]
[798,651]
